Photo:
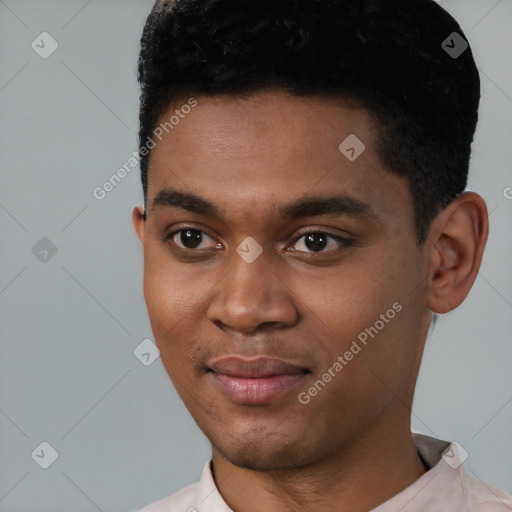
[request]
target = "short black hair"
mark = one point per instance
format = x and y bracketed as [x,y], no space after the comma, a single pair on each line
[390,56]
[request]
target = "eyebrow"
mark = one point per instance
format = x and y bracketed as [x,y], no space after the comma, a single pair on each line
[341,205]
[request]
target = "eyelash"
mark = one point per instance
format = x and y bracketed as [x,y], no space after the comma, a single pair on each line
[344,242]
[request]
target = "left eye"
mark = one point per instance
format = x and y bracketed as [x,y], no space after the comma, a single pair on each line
[317,241]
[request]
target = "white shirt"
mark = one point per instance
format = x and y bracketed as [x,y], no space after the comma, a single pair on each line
[445,487]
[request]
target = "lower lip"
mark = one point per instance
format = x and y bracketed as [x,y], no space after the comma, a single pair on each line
[256,391]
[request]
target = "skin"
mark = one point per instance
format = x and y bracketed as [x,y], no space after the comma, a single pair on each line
[298,302]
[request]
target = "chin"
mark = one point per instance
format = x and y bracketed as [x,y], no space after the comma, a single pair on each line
[258,461]
[260,454]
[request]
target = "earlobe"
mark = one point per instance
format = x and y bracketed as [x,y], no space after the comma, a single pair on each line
[139,222]
[456,243]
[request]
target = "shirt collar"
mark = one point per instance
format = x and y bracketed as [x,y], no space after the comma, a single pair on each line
[208,498]
[443,460]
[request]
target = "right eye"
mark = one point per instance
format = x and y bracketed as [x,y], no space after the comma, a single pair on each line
[189,238]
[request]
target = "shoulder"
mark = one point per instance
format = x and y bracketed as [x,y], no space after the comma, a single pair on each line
[485,497]
[182,500]
[185,499]
[447,485]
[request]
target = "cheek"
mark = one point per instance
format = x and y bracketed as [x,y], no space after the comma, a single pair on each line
[175,298]
[374,301]
[352,297]
[166,305]
[169,311]
[171,290]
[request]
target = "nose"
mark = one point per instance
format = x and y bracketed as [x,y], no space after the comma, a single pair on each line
[253,296]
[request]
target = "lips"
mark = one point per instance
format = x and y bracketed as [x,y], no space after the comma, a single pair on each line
[255,381]
[260,367]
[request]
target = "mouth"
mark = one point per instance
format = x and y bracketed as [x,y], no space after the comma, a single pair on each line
[255,381]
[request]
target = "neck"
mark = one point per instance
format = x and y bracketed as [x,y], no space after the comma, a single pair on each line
[359,477]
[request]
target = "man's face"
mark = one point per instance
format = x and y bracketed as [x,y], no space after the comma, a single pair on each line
[305,299]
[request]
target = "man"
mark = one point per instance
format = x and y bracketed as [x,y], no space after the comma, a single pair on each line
[304,165]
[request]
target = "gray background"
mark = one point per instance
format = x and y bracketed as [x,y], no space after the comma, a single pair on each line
[70,324]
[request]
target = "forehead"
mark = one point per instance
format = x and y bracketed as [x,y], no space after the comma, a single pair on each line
[251,155]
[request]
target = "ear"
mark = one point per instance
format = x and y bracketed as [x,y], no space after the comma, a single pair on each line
[455,245]
[139,222]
